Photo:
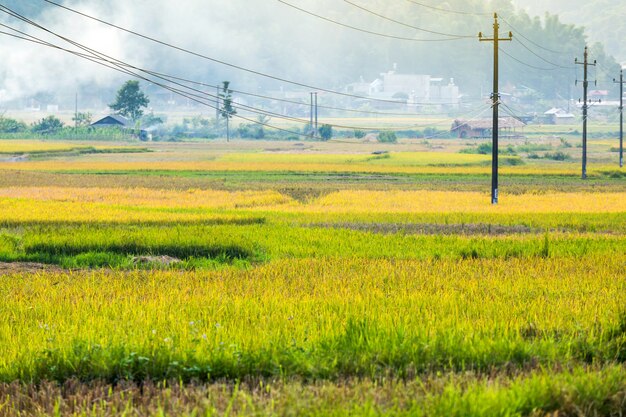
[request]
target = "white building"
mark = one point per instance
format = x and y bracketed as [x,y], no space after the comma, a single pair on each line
[413,89]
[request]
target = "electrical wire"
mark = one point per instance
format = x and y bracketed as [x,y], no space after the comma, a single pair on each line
[524,63]
[539,56]
[402,38]
[123,67]
[439,9]
[307,104]
[117,62]
[518,32]
[179,92]
[342,109]
[221,62]
[252,94]
[404,24]
[510,112]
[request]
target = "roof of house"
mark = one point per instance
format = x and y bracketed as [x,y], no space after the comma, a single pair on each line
[504,123]
[554,110]
[112,119]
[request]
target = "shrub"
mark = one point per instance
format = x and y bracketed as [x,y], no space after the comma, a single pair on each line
[11,125]
[251,131]
[387,137]
[557,156]
[359,134]
[482,149]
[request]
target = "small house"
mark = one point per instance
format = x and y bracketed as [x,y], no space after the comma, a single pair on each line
[117,121]
[112,120]
[558,116]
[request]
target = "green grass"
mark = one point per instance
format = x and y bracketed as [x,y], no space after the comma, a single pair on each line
[316,319]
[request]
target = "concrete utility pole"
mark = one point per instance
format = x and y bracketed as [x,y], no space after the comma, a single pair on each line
[311,117]
[621,117]
[496,102]
[217,106]
[316,118]
[586,64]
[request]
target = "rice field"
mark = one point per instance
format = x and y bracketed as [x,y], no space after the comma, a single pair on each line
[39,147]
[149,285]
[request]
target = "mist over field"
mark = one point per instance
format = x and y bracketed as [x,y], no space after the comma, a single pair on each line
[273,38]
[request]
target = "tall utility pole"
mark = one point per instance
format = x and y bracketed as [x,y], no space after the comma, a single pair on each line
[621,117]
[586,64]
[217,106]
[76,112]
[496,102]
[311,117]
[316,119]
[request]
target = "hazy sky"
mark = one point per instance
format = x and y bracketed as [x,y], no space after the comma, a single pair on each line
[258,34]
[263,35]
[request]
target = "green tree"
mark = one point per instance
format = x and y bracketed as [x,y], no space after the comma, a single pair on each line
[8,125]
[47,125]
[227,111]
[130,101]
[326,132]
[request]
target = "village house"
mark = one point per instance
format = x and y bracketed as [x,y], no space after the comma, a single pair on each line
[117,121]
[112,120]
[558,116]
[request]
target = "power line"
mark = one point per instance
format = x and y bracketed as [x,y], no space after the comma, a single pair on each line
[384,35]
[531,41]
[540,57]
[306,104]
[405,24]
[526,64]
[449,10]
[202,56]
[172,77]
[117,67]
[117,62]
[195,95]
[511,112]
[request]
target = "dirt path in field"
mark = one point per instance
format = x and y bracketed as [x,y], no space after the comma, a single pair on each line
[7,268]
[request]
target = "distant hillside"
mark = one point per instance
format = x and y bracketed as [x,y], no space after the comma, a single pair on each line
[605,20]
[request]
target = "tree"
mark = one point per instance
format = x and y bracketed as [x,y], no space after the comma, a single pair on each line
[326,132]
[47,125]
[11,125]
[227,111]
[130,101]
